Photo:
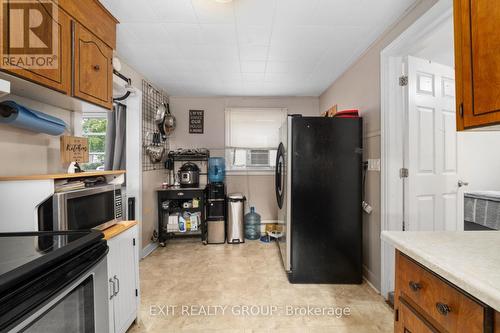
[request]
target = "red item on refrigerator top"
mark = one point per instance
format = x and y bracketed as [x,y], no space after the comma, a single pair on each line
[347,114]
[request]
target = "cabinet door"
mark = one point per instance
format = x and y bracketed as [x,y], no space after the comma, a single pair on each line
[114,250]
[477,45]
[92,68]
[410,321]
[41,54]
[126,300]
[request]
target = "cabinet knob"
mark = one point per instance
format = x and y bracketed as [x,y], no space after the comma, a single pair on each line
[96,68]
[415,286]
[443,309]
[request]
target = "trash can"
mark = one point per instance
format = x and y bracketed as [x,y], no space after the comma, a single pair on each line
[235,218]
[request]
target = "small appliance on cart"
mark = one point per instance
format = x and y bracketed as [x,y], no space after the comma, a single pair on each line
[181,206]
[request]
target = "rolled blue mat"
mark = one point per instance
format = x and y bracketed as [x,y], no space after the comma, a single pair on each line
[19,116]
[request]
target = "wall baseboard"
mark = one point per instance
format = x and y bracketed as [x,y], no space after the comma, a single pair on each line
[148,249]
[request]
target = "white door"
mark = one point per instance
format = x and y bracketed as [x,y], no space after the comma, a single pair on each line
[433,198]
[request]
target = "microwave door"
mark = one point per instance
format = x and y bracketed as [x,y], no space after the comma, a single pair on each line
[91,208]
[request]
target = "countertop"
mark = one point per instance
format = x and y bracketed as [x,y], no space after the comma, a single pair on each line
[117,229]
[468,259]
[63,175]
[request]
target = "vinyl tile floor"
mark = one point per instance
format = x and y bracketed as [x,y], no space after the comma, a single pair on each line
[189,287]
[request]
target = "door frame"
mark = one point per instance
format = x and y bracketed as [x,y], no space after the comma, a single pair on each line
[393,128]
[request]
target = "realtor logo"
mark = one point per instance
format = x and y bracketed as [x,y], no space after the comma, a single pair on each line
[30,34]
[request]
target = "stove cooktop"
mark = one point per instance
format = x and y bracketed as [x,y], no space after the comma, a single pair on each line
[25,252]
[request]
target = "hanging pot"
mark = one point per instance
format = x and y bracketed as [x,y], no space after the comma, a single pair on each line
[169,122]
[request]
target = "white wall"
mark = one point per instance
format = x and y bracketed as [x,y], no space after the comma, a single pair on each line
[359,87]
[259,189]
[479,160]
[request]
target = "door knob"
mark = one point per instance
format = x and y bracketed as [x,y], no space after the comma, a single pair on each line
[462,183]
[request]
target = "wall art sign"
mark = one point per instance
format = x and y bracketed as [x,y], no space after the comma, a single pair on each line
[74,149]
[196,121]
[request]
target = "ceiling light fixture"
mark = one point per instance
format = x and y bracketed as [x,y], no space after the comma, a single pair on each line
[223,1]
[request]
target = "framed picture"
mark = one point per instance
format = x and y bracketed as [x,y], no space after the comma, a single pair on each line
[196,121]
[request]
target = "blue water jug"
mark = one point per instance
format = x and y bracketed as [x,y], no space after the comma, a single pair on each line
[216,169]
[252,225]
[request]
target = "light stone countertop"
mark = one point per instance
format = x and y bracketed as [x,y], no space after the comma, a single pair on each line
[469,259]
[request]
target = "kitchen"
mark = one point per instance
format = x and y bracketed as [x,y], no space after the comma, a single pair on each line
[183,116]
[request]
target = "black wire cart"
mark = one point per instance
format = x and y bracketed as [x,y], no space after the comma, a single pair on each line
[171,202]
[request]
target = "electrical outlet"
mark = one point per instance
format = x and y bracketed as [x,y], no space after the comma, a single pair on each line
[374,164]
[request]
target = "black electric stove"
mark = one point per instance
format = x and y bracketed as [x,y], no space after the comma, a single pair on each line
[35,266]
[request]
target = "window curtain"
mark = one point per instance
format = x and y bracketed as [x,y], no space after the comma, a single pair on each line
[115,158]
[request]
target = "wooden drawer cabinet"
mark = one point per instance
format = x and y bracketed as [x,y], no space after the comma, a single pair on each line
[56,76]
[92,68]
[444,307]
[409,320]
[477,62]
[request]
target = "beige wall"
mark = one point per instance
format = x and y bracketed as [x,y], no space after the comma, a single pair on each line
[24,152]
[259,190]
[359,87]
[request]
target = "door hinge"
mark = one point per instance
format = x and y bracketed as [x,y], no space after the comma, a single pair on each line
[136,293]
[403,226]
[133,241]
[403,80]
[461,110]
[404,173]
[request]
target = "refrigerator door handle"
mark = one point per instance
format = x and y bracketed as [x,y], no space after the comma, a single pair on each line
[279,175]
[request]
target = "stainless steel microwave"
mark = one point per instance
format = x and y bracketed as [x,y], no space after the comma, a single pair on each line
[91,208]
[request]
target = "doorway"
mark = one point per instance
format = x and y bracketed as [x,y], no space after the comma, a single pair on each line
[419,143]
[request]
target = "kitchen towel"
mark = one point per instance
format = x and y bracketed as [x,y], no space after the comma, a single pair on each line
[19,116]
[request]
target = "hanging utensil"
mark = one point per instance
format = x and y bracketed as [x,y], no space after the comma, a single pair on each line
[169,122]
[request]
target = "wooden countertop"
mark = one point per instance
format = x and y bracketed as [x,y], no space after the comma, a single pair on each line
[64,175]
[118,229]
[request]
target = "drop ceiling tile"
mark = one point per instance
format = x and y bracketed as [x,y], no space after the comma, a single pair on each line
[253,52]
[284,77]
[143,33]
[219,33]
[183,33]
[253,77]
[209,52]
[255,12]
[253,66]
[180,11]
[254,34]
[209,11]
[227,67]
[296,11]
[130,10]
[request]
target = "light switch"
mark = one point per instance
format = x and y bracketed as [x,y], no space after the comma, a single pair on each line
[374,164]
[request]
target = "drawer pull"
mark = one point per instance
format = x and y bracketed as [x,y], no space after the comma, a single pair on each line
[96,67]
[415,286]
[443,308]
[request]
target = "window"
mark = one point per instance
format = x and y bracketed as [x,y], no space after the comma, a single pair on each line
[252,138]
[94,128]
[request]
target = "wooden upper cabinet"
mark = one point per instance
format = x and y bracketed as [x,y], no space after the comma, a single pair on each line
[477,61]
[42,56]
[92,68]
[78,36]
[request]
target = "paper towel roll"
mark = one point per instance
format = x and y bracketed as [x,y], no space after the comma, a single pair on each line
[19,116]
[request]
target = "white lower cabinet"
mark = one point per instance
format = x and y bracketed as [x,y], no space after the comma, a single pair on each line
[123,280]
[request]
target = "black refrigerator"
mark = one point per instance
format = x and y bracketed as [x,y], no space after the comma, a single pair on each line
[318,189]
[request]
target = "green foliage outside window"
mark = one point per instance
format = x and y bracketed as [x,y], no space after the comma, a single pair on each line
[95,130]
